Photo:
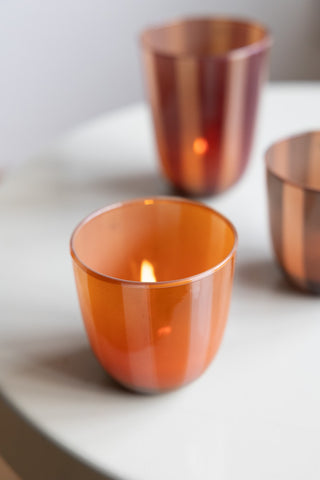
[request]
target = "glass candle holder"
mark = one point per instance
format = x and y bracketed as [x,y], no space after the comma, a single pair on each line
[154,279]
[203,78]
[293,178]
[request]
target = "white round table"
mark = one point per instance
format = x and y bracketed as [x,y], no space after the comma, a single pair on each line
[253,415]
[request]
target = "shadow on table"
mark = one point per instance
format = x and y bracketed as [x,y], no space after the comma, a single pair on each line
[72,365]
[58,185]
[65,359]
[78,364]
[264,274]
[127,184]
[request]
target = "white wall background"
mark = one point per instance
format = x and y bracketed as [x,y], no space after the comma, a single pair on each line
[64,61]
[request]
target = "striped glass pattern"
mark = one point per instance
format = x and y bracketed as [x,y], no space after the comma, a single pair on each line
[293,178]
[154,336]
[204,78]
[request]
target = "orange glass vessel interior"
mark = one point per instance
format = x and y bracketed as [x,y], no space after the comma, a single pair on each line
[154,279]
[293,175]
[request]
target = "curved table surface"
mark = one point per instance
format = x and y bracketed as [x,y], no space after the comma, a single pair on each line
[253,414]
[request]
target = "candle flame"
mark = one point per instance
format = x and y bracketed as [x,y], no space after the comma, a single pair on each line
[147,272]
[200,146]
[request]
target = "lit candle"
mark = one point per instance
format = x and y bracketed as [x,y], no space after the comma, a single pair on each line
[147,272]
[200,146]
[154,331]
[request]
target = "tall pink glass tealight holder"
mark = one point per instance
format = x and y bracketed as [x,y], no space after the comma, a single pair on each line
[204,77]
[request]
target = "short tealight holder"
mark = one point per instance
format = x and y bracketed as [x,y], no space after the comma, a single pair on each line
[203,77]
[154,279]
[293,176]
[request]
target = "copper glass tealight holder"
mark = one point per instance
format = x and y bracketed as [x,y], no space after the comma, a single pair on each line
[154,279]
[204,77]
[293,176]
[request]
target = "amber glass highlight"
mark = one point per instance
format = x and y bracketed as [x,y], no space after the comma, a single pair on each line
[293,176]
[203,78]
[162,332]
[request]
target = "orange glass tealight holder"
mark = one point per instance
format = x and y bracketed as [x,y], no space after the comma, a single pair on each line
[204,77]
[154,279]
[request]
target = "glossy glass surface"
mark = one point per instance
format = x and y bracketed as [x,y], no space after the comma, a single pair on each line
[203,78]
[293,176]
[154,336]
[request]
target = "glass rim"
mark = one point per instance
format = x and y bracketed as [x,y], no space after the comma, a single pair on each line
[164,283]
[246,50]
[283,178]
